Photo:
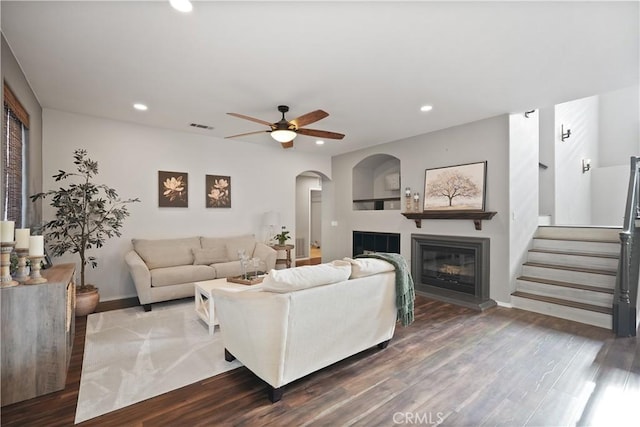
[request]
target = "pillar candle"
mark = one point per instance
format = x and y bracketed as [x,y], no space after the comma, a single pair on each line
[36,246]
[22,238]
[6,231]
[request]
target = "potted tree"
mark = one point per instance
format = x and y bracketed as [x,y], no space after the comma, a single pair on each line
[87,214]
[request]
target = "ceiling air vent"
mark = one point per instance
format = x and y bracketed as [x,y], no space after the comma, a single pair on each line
[199,126]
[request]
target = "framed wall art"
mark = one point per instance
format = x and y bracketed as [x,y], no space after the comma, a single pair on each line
[173,189]
[455,188]
[218,189]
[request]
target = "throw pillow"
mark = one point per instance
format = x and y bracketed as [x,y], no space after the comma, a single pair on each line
[308,276]
[209,256]
[363,267]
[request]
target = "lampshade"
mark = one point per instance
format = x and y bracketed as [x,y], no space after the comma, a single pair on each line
[271,218]
[283,135]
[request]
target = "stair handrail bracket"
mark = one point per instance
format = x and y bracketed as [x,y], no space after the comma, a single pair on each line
[626,292]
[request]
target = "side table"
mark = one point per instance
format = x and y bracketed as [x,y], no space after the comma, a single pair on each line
[287,249]
[205,307]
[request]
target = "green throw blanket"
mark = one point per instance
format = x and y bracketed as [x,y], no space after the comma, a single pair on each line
[405,294]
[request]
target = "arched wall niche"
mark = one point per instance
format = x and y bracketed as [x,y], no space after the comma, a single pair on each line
[376,183]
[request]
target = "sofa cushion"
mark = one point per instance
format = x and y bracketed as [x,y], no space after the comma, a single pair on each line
[213,243]
[158,253]
[228,269]
[308,276]
[168,276]
[209,256]
[234,244]
[363,267]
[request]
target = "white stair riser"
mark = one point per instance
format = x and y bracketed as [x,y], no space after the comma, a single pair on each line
[578,295]
[573,260]
[588,233]
[578,315]
[578,246]
[578,277]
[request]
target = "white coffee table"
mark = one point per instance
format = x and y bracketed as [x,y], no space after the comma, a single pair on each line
[204,299]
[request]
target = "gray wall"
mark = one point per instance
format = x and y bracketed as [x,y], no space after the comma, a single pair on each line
[473,142]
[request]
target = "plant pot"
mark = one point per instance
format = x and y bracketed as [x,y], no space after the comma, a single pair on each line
[86,302]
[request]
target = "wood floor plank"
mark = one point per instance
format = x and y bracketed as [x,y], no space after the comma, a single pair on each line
[453,365]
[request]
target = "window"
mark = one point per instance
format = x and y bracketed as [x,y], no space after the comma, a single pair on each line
[15,124]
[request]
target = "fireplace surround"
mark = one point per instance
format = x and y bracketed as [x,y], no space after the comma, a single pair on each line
[454,269]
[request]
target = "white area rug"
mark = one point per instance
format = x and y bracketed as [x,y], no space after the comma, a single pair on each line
[130,356]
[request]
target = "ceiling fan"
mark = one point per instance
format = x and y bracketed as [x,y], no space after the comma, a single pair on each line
[284,131]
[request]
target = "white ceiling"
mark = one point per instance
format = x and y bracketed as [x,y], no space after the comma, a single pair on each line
[370,65]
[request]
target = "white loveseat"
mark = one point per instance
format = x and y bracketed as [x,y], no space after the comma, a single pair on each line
[306,318]
[166,269]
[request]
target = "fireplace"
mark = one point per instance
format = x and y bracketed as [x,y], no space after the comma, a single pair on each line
[370,241]
[452,268]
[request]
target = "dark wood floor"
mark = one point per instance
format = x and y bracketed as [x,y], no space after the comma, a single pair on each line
[453,365]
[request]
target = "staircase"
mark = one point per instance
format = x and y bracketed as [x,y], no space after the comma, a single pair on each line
[571,273]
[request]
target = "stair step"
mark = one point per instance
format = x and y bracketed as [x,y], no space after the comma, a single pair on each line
[602,271]
[573,259]
[564,302]
[586,254]
[577,245]
[595,318]
[572,232]
[567,284]
[586,294]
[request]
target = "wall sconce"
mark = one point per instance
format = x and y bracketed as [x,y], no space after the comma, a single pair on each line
[564,135]
[586,165]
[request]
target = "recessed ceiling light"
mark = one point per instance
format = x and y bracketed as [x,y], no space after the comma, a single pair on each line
[426,108]
[140,107]
[181,5]
[319,142]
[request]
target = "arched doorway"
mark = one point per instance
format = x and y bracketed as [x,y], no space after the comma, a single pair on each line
[308,244]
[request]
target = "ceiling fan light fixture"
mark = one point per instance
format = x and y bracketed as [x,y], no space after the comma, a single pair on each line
[283,135]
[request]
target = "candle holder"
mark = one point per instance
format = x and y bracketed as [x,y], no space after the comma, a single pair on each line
[416,202]
[407,199]
[6,281]
[36,278]
[21,274]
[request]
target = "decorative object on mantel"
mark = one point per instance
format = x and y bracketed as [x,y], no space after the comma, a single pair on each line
[77,206]
[407,199]
[455,188]
[416,202]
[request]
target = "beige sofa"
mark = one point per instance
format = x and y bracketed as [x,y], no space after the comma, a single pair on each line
[166,269]
[305,318]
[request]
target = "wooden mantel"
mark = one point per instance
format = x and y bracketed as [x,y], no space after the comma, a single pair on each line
[475,216]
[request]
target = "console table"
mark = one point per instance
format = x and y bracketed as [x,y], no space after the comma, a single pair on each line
[38,325]
[287,249]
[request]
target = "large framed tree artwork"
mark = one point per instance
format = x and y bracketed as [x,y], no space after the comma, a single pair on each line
[455,188]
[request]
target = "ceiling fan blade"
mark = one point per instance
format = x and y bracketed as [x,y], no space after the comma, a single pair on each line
[307,119]
[287,144]
[253,119]
[320,133]
[245,134]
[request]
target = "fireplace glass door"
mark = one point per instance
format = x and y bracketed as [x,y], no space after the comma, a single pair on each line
[452,268]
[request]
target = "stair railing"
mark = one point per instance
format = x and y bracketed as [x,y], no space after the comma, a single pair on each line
[625,302]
